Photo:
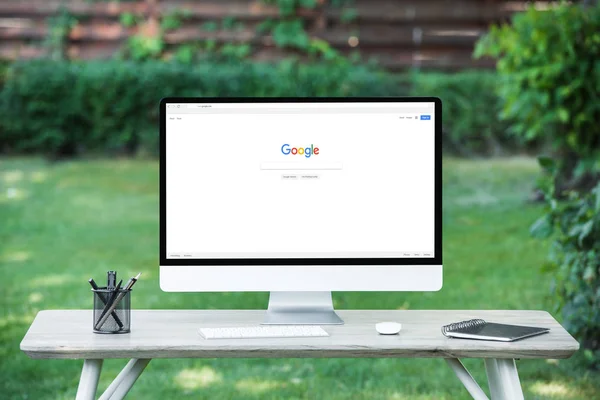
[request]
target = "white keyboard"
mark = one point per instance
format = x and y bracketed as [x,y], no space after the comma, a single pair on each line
[271,331]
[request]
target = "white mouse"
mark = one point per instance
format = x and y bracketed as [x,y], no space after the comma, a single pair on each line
[388,328]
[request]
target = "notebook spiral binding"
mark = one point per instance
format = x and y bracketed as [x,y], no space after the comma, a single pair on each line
[462,325]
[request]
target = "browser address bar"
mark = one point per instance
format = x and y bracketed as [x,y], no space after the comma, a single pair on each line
[300,166]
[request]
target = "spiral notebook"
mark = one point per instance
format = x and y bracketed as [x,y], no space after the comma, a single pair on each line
[482,330]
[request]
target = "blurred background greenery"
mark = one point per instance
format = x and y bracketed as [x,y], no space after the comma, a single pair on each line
[79,90]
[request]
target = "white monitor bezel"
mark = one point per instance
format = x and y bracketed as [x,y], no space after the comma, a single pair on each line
[308,274]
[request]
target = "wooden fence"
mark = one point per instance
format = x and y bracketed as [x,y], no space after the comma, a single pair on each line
[397,33]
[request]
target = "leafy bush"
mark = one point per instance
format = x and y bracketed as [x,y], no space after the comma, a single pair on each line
[470,112]
[549,83]
[66,108]
[549,70]
[574,259]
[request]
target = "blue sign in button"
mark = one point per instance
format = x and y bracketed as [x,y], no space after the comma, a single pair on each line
[425,117]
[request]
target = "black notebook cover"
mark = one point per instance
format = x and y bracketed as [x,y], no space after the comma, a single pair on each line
[482,330]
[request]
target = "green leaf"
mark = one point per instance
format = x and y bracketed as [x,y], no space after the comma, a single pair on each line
[127,19]
[210,45]
[585,231]
[547,164]
[170,22]
[563,114]
[542,228]
[185,54]
[290,34]
[589,273]
[265,26]
[287,8]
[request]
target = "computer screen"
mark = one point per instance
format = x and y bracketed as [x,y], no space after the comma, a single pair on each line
[321,181]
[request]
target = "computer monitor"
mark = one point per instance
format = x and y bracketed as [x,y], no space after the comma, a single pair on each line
[300,197]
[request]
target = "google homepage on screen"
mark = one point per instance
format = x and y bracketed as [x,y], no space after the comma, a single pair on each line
[300,180]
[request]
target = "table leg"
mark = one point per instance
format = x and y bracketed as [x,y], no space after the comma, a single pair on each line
[121,385]
[467,380]
[88,383]
[503,379]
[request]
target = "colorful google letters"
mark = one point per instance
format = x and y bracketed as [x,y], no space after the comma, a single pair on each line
[306,151]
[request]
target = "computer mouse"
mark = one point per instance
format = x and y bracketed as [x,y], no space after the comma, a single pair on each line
[388,328]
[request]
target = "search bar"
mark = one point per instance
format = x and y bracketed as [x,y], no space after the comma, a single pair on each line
[300,166]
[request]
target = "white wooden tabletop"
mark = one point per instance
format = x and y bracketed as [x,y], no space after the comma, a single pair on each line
[174,334]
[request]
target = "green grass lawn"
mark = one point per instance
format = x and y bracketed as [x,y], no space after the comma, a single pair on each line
[63,223]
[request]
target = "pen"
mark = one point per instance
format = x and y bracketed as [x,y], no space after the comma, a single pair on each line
[93,283]
[113,304]
[132,281]
[114,293]
[111,280]
[101,295]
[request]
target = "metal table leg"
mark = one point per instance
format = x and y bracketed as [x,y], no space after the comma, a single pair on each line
[121,385]
[467,380]
[503,379]
[88,383]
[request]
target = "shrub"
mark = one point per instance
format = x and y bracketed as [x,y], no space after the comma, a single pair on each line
[64,108]
[549,70]
[574,259]
[470,112]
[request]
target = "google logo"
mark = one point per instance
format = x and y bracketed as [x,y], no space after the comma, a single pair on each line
[306,151]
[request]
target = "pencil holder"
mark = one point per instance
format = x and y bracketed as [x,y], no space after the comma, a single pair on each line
[112,311]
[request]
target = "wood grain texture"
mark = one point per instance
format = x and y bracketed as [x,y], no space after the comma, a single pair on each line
[411,33]
[174,334]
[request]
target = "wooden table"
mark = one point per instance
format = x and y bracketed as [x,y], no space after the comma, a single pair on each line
[174,334]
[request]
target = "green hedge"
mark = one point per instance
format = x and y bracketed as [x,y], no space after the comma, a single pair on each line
[470,112]
[572,220]
[111,107]
[70,108]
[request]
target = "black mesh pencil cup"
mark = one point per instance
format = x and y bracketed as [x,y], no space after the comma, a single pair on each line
[112,311]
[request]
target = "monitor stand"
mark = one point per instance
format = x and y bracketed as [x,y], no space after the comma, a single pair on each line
[301,308]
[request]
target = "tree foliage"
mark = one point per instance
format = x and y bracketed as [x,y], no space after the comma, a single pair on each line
[549,70]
